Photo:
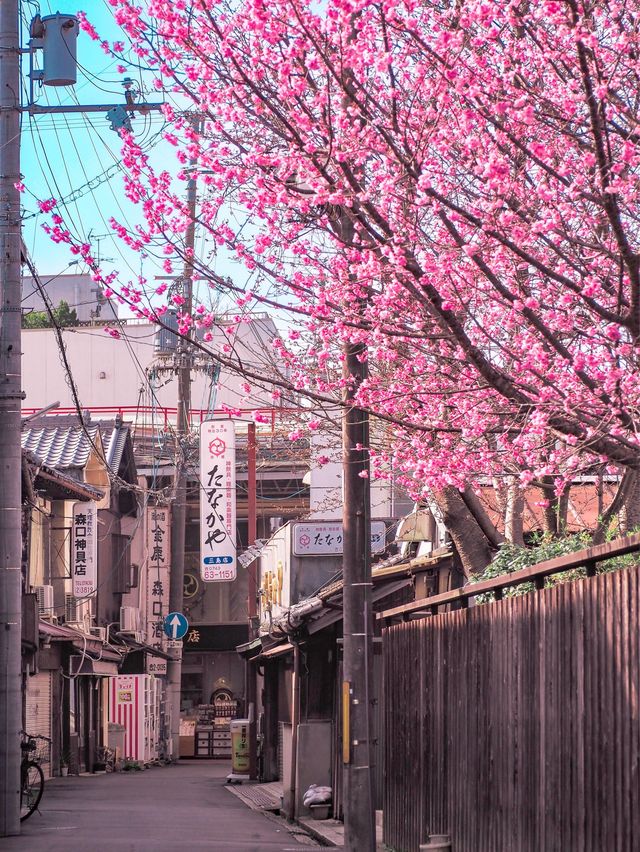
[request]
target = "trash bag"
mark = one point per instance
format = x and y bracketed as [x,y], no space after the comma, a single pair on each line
[316,795]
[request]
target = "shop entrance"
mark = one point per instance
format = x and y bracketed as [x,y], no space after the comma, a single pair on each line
[212,695]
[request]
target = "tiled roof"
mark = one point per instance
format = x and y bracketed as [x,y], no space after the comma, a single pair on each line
[114,437]
[62,442]
[60,445]
[58,484]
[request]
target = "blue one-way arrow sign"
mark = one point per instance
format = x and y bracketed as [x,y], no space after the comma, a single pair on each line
[175,625]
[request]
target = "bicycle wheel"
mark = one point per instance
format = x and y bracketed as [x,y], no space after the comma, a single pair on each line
[31,789]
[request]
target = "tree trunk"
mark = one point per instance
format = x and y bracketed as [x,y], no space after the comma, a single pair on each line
[487,526]
[555,511]
[627,485]
[513,513]
[630,510]
[473,546]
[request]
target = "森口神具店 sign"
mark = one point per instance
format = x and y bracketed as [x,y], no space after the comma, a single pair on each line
[217,501]
[84,549]
[313,539]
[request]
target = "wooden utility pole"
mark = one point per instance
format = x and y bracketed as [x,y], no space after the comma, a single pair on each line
[184,356]
[10,404]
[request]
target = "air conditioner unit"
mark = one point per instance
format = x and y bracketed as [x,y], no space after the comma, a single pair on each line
[129,619]
[44,596]
[77,611]
[99,633]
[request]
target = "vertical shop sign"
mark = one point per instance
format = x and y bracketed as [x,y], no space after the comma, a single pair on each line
[158,557]
[217,501]
[84,549]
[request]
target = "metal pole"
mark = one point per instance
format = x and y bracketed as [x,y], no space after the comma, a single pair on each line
[179,513]
[295,721]
[359,818]
[359,815]
[10,398]
[252,568]
[252,525]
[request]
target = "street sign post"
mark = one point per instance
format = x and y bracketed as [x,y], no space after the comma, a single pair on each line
[174,648]
[175,625]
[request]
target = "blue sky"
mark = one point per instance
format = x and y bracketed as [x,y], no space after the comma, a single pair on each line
[75,157]
[59,154]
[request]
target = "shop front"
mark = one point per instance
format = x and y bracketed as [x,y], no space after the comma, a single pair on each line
[213,689]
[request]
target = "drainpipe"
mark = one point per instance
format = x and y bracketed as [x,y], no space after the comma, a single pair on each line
[295,719]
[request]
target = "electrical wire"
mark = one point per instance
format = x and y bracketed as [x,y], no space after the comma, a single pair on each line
[114,567]
[113,477]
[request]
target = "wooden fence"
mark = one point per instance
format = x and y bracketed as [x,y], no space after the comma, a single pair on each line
[513,726]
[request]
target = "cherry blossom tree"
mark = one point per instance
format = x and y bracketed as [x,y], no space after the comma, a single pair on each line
[451,186]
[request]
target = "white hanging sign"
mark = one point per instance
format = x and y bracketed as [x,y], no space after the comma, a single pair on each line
[84,549]
[217,501]
[325,538]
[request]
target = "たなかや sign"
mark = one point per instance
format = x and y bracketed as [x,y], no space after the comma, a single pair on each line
[217,501]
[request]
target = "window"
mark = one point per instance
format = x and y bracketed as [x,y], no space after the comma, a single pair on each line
[121,565]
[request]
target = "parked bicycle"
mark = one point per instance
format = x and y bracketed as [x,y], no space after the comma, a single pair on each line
[35,751]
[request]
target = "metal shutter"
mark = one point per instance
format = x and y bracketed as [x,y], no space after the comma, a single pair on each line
[38,707]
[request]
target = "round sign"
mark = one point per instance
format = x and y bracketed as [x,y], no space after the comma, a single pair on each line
[175,625]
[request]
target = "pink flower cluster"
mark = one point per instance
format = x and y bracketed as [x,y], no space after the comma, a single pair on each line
[452,189]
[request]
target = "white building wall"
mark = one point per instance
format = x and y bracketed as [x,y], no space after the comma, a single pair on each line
[325,485]
[80,292]
[110,372]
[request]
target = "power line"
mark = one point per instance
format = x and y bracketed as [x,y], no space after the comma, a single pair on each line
[114,478]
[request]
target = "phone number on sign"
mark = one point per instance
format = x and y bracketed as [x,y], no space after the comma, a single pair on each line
[218,573]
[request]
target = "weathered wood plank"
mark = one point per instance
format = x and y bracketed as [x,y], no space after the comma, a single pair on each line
[516,725]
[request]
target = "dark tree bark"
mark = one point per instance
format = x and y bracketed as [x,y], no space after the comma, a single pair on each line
[513,513]
[630,510]
[473,547]
[483,520]
[627,486]
[555,511]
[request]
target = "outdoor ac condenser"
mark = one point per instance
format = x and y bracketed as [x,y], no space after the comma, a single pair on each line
[44,596]
[129,619]
[77,611]
[99,633]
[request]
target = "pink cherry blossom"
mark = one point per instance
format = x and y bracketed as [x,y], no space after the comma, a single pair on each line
[450,188]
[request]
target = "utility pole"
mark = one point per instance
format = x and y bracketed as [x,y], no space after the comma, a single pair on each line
[359,817]
[10,404]
[179,513]
[251,691]
[358,643]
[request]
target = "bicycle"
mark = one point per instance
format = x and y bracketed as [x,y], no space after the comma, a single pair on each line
[35,750]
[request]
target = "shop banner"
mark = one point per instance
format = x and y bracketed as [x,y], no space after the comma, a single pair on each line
[84,549]
[158,559]
[322,538]
[217,501]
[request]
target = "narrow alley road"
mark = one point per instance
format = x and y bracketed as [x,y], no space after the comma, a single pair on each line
[183,807]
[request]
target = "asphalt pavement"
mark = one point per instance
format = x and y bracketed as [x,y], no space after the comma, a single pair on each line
[182,807]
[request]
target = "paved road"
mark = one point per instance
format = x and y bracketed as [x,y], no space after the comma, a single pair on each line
[183,807]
